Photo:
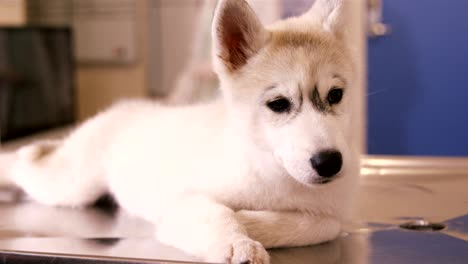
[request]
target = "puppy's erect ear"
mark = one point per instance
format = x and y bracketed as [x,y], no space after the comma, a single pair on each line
[330,15]
[237,34]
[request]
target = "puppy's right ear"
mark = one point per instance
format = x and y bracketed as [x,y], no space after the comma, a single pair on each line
[237,35]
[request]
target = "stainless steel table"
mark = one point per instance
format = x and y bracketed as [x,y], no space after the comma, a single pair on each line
[410,210]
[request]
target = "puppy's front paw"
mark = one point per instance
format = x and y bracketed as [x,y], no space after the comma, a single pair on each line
[247,251]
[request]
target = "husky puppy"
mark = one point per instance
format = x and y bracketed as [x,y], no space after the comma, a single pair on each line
[269,164]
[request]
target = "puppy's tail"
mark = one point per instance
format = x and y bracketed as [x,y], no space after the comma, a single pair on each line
[28,155]
[6,163]
[37,151]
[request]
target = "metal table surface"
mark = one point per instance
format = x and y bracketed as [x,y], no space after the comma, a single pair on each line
[395,191]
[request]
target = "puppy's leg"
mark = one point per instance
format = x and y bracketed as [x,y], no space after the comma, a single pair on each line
[286,229]
[208,230]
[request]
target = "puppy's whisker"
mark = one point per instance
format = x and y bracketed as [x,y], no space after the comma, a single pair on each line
[376,92]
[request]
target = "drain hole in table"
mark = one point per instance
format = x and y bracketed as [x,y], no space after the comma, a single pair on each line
[422,225]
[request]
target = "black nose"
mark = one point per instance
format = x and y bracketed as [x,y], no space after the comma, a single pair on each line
[327,163]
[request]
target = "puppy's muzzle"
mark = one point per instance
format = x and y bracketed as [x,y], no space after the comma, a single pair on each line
[327,164]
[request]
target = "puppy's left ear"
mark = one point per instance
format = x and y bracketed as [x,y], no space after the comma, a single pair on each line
[330,15]
[237,35]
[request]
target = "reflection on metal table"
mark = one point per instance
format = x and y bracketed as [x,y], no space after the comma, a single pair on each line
[410,210]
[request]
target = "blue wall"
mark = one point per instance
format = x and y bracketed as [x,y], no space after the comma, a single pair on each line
[418,80]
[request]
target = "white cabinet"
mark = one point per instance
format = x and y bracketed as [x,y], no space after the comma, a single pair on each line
[105,31]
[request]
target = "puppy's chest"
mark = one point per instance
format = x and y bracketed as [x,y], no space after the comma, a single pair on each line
[270,198]
[241,188]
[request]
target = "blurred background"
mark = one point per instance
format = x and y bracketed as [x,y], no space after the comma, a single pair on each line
[62,61]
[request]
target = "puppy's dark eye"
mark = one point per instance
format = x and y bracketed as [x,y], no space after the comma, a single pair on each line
[279,105]
[335,95]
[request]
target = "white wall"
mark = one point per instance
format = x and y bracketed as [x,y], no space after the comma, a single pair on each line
[357,37]
[173,23]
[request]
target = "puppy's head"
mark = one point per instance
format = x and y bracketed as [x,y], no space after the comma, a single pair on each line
[289,86]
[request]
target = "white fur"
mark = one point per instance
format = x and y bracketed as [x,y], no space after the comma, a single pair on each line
[220,180]
[6,161]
